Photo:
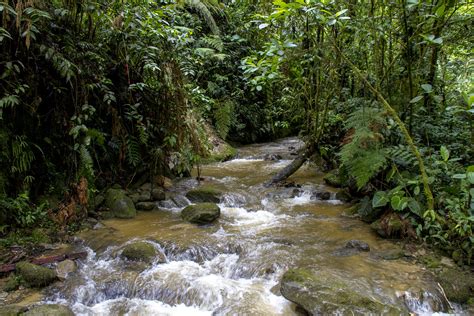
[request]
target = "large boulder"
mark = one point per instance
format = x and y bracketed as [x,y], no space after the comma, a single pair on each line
[140,251]
[325,294]
[120,205]
[35,275]
[201,213]
[11,310]
[204,194]
[49,309]
[458,285]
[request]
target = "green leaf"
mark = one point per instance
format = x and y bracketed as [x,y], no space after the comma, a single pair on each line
[444,153]
[416,99]
[414,207]
[262,26]
[396,203]
[417,190]
[470,177]
[438,40]
[259,88]
[460,176]
[440,10]
[380,199]
[427,87]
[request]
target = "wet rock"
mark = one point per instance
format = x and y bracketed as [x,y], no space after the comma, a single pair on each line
[343,195]
[201,213]
[120,205]
[145,196]
[12,310]
[64,268]
[458,285]
[167,204]
[98,200]
[204,194]
[164,182]
[358,244]
[135,197]
[321,195]
[352,247]
[391,254]
[145,187]
[158,194]
[325,294]
[48,310]
[34,275]
[180,200]
[333,178]
[272,157]
[139,251]
[145,206]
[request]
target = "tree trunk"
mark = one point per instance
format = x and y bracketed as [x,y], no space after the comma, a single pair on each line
[306,152]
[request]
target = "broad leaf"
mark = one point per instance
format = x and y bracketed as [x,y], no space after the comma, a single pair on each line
[380,199]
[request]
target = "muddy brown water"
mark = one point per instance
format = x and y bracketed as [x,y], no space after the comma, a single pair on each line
[233,266]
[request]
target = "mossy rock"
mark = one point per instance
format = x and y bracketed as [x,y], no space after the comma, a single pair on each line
[146,206]
[35,275]
[458,285]
[11,310]
[201,213]
[12,284]
[324,294]
[204,194]
[120,204]
[333,178]
[222,152]
[139,251]
[49,309]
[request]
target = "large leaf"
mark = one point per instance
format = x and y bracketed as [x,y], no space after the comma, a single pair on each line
[444,153]
[380,199]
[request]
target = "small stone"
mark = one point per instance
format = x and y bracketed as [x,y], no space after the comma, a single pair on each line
[145,196]
[321,195]
[180,200]
[146,187]
[358,244]
[64,268]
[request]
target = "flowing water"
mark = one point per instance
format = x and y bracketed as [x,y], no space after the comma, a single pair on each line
[233,266]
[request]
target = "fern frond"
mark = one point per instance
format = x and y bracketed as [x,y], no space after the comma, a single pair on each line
[133,151]
[223,118]
[214,42]
[401,155]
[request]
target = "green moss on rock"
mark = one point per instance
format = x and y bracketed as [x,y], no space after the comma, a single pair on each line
[201,213]
[11,310]
[223,152]
[49,309]
[458,285]
[139,251]
[204,194]
[35,275]
[12,284]
[324,294]
[120,205]
[333,178]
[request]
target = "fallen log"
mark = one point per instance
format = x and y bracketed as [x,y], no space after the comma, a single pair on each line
[305,154]
[46,260]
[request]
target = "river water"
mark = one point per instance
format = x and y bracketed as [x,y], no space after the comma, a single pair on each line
[233,267]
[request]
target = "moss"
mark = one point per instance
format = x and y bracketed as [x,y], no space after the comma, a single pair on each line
[333,178]
[201,213]
[225,152]
[458,285]
[431,262]
[11,310]
[12,284]
[119,204]
[35,275]
[50,309]
[204,194]
[139,251]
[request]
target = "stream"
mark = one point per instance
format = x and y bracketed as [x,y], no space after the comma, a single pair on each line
[234,266]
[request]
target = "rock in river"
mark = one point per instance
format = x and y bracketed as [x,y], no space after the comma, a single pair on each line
[139,251]
[49,309]
[204,194]
[323,293]
[35,275]
[201,213]
[120,205]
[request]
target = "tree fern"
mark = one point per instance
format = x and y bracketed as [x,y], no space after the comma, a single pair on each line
[204,10]
[363,154]
[401,155]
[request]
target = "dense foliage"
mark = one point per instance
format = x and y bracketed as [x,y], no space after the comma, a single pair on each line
[110,91]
